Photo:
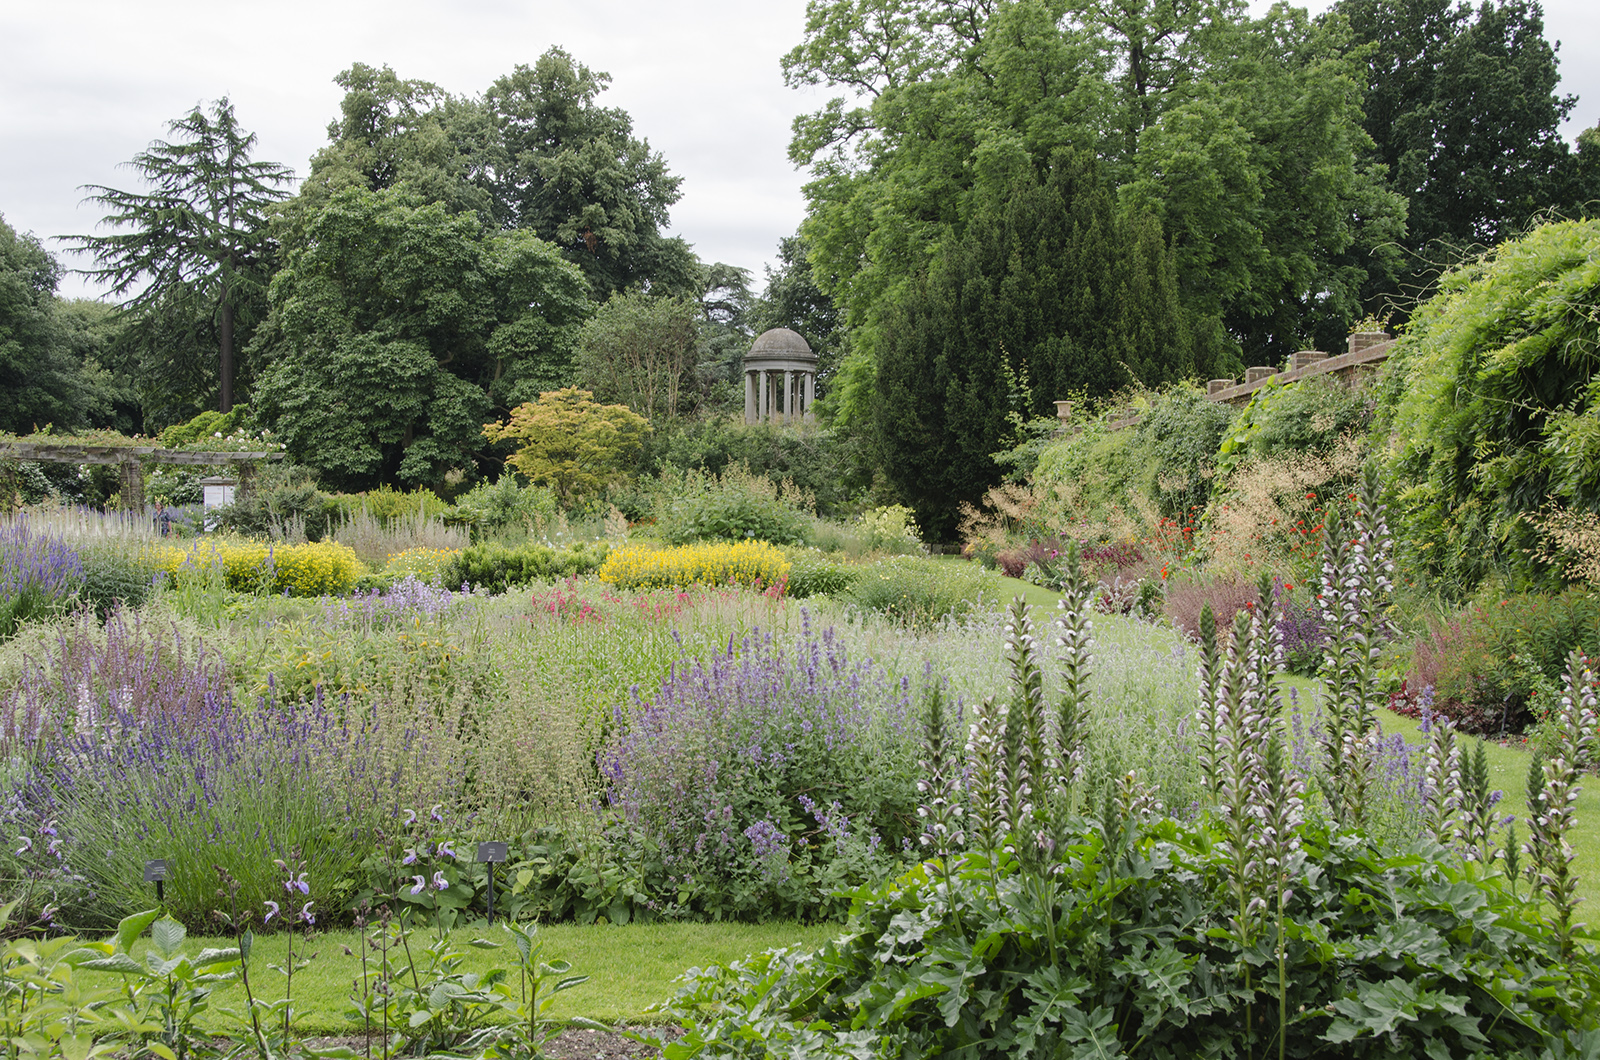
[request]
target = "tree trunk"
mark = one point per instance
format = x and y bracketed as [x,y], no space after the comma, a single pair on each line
[225,403]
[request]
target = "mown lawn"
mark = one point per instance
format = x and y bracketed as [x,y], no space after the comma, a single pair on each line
[631,967]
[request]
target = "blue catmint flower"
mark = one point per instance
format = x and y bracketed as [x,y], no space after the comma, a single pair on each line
[419,883]
[306,914]
[27,844]
[440,882]
[411,856]
[445,850]
[272,911]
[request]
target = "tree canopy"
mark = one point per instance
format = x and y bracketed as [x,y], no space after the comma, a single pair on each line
[196,253]
[571,443]
[396,326]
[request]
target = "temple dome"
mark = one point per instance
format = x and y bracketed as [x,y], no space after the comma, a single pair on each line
[781,344]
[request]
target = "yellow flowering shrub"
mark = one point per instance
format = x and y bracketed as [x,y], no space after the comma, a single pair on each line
[425,563]
[255,566]
[750,563]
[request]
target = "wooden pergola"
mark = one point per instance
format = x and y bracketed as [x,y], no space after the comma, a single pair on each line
[131,459]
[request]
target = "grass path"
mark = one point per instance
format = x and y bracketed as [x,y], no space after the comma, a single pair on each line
[631,967]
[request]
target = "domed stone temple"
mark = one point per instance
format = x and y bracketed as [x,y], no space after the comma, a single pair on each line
[780,378]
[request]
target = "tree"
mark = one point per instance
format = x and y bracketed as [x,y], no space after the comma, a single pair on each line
[570,442]
[1240,136]
[44,379]
[1490,406]
[1048,292]
[1462,110]
[641,351]
[397,325]
[198,244]
[575,174]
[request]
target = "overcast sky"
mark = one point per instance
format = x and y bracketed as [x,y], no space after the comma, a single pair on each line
[87,84]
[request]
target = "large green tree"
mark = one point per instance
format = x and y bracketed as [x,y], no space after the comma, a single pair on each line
[1462,108]
[398,326]
[44,379]
[194,247]
[641,351]
[1241,135]
[575,173]
[1049,292]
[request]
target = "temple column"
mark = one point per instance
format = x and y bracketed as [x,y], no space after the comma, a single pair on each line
[811,395]
[749,397]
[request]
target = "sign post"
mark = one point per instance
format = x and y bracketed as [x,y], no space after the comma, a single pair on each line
[490,854]
[156,872]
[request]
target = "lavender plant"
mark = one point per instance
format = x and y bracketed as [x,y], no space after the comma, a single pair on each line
[39,574]
[224,785]
[89,676]
[739,739]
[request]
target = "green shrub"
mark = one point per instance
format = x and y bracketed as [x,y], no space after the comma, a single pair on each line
[1135,953]
[814,459]
[923,592]
[113,574]
[737,505]
[282,501]
[491,508]
[497,567]
[1497,666]
[812,573]
[1177,448]
[385,503]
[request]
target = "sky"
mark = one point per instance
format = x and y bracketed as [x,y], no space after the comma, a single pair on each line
[87,84]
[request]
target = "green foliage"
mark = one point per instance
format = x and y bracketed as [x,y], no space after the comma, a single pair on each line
[734,506]
[570,442]
[1308,416]
[1488,407]
[639,350]
[1497,666]
[113,575]
[1049,292]
[494,507]
[921,593]
[1463,111]
[811,573]
[397,326]
[45,382]
[497,568]
[282,495]
[1178,439]
[198,243]
[1137,954]
[813,459]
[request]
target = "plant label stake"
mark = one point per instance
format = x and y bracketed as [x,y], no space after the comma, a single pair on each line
[489,854]
[155,872]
